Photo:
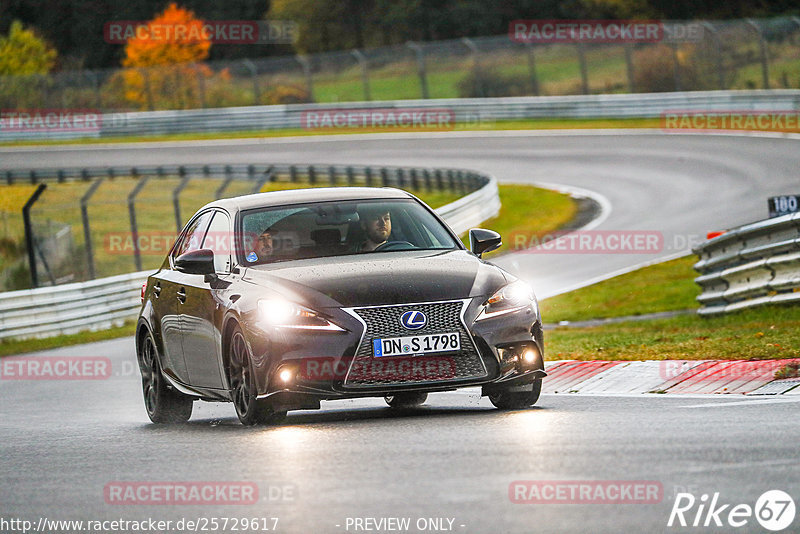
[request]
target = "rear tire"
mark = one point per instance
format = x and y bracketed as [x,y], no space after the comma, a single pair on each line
[163,404]
[405,400]
[517,400]
[249,409]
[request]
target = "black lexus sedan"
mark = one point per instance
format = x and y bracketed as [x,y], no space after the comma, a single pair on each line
[275,301]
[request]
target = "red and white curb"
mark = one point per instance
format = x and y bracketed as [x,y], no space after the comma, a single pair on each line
[669,376]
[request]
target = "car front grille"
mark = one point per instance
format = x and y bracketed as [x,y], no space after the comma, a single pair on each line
[384,321]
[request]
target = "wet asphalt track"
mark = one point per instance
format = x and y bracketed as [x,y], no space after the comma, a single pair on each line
[454,457]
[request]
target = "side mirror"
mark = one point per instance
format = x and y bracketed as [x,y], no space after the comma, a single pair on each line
[481,241]
[196,262]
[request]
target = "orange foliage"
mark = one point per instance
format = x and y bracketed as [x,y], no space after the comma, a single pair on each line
[172,48]
[162,72]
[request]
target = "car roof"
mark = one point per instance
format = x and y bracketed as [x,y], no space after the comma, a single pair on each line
[297,196]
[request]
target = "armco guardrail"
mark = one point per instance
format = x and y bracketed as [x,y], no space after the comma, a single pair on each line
[469,111]
[70,308]
[105,302]
[751,265]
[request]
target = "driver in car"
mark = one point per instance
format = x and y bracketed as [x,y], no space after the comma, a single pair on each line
[265,246]
[377,225]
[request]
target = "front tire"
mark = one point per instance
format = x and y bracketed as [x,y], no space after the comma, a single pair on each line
[405,400]
[163,405]
[249,409]
[517,400]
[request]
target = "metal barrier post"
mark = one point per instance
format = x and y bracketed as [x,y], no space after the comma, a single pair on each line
[201,85]
[265,177]
[225,183]
[147,90]
[176,193]
[532,69]
[29,237]
[629,67]
[584,68]
[307,72]
[137,257]
[414,180]
[718,53]
[362,61]
[421,71]
[254,76]
[762,46]
[676,66]
[476,65]
[87,232]
[427,176]
[439,180]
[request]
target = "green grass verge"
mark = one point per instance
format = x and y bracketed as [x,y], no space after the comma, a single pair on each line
[762,333]
[8,348]
[662,287]
[528,211]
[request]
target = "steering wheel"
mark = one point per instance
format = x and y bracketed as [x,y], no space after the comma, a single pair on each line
[394,245]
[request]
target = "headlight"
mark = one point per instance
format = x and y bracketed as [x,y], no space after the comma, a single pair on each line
[513,297]
[285,314]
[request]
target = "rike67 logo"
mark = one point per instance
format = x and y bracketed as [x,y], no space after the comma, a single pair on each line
[774,510]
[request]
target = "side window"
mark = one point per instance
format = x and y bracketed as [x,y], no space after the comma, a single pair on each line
[220,239]
[193,237]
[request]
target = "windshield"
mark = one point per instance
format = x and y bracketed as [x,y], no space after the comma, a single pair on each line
[323,229]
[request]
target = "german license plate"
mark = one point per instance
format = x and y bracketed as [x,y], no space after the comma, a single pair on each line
[397,346]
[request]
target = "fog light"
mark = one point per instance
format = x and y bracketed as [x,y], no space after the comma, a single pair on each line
[285,375]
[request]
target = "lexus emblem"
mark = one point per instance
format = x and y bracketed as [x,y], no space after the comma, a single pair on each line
[413,320]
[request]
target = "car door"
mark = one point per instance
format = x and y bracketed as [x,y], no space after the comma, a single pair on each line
[166,290]
[202,308]
[165,309]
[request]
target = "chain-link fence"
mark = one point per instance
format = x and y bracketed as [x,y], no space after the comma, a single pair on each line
[96,222]
[693,55]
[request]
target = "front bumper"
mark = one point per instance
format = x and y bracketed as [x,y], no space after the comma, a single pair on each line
[326,366]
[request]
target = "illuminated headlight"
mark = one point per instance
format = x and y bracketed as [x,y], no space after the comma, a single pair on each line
[285,314]
[513,297]
[529,356]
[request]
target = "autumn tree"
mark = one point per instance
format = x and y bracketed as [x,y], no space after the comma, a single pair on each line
[24,60]
[163,68]
[22,52]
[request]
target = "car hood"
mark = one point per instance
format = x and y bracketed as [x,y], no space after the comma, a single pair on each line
[381,278]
